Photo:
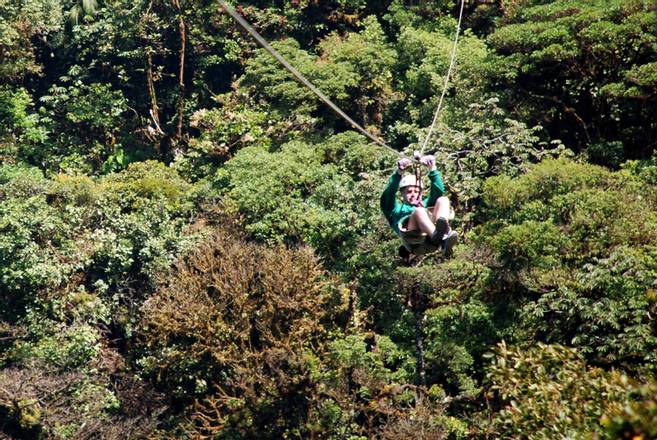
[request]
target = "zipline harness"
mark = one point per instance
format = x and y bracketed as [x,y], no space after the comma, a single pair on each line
[303,80]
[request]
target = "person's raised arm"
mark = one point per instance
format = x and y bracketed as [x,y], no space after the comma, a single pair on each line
[437,184]
[389,195]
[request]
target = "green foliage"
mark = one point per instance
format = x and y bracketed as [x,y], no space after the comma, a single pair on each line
[428,15]
[370,60]
[549,392]
[20,130]
[585,68]
[646,169]
[424,58]
[457,337]
[77,257]
[638,418]
[504,197]
[355,72]
[305,192]
[113,270]
[285,94]
[488,143]
[364,377]
[70,348]
[128,221]
[223,132]
[460,321]
[145,184]
[37,402]
[89,118]
[577,247]
[35,241]
[603,311]
[83,11]
[73,249]
[23,22]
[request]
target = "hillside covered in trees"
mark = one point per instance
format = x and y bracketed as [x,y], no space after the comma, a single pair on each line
[191,243]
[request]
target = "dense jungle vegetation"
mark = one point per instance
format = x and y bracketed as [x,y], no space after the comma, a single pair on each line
[191,244]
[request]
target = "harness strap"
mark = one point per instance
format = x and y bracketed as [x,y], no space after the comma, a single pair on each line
[417,168]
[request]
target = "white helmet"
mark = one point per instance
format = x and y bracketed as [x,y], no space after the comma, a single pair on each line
[408,180]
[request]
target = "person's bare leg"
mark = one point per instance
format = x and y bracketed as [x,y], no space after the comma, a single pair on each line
[441,212]
[442,208]
[420,220]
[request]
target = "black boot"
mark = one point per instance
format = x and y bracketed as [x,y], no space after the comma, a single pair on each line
[441,229]
[449,243]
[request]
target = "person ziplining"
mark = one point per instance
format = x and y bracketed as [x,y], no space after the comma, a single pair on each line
[422,224]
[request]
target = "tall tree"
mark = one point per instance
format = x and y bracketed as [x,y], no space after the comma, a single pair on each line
[584,69]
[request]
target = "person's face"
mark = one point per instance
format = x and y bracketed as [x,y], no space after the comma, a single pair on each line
[411,195]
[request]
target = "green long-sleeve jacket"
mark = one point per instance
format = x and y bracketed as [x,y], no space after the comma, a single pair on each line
[395,211]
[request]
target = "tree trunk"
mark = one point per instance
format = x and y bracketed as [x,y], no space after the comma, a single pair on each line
[156,132]
[418,305]
[181,75]
[155,109]
[176,140]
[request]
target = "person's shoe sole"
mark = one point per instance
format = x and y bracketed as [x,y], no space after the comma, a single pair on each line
[450,241]
[441,229]
[403,252]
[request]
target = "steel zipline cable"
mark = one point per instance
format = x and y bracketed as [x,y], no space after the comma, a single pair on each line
[298,75]
[303,80]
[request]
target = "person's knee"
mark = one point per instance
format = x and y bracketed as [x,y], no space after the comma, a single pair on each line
[443,200]
[420,212]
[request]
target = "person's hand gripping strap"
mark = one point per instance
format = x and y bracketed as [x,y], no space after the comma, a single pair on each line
[404,163]
[429,161]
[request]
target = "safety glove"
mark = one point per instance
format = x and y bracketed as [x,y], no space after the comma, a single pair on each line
[429,161]
[404,163]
